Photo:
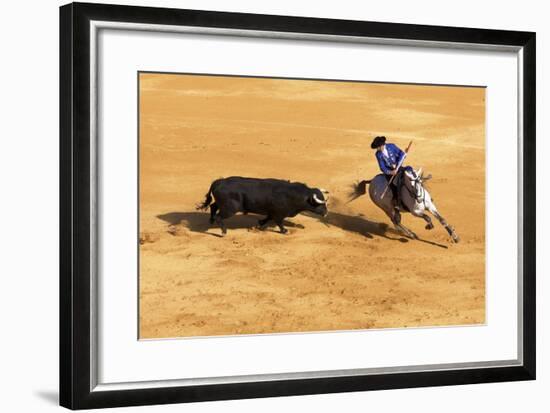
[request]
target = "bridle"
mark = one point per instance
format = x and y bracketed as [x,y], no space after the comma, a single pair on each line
[419,192]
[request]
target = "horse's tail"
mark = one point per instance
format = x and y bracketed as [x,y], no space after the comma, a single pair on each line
[358,189]
[203,206]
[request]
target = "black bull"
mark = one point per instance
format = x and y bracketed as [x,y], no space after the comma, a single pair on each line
[274,198]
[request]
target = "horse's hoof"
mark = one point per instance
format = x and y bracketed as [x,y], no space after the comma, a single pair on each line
[284,231]
[453,234]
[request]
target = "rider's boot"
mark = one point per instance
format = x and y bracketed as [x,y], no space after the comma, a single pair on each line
[397,194]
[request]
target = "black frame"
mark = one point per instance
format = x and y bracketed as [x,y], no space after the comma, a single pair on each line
[75,306]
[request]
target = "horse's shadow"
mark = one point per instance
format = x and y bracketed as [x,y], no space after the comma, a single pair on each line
[362,226]
[367,228]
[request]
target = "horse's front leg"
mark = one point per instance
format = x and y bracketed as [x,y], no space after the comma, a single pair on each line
[449,228]
[421,214]
[429,223]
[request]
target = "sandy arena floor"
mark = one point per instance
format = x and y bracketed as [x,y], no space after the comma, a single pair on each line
[352,272]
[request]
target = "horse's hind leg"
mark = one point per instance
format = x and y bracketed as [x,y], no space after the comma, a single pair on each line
[395,217]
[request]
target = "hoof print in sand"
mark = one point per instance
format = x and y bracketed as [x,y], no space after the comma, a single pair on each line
[177,230]
[148,238]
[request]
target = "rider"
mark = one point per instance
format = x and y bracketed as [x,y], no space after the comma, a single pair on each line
[389,156]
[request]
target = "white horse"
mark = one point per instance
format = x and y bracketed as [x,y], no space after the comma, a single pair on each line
[414,197]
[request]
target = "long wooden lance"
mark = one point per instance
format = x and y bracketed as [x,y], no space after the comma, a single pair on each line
[397,169]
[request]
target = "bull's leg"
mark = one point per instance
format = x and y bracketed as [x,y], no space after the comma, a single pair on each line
[219,221]
[279,222]
[395,217]
[443,222]
[262,223]
[224,213]
[213,210]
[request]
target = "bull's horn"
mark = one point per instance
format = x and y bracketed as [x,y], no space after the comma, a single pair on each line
[319,201]
[419,173]
[325,194]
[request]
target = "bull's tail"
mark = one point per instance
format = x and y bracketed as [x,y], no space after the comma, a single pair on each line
[203,206]
[357,189]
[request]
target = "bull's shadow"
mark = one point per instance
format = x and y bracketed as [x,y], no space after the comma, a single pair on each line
[199,221]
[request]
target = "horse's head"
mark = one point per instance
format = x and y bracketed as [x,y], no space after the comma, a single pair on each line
[413,181]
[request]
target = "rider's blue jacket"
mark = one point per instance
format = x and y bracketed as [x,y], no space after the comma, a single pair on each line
[389,162]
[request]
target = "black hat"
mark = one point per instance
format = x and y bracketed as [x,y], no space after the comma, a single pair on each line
[378,141]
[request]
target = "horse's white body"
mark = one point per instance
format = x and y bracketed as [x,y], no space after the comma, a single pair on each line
[414,196]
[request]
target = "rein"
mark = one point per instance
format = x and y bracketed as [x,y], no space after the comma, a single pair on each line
[422,193]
